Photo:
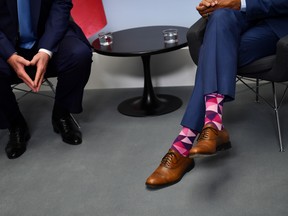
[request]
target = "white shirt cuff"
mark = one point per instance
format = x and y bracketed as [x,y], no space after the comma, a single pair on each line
[243,5]
[46,51]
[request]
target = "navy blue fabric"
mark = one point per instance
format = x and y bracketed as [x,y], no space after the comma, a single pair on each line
[231,40]
[72,53]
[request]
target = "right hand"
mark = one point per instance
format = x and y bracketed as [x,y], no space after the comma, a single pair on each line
[18,63]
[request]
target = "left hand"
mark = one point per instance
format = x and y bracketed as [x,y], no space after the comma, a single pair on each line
[40,60]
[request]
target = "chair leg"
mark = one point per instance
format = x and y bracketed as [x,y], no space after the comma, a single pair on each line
[75,121]
[276,109]
[49,83]
[257,90]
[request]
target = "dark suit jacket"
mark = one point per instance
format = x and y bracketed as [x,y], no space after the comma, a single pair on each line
[50,20]
[274,12]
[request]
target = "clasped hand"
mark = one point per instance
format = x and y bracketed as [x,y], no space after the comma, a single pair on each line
[40,60]
[207,7]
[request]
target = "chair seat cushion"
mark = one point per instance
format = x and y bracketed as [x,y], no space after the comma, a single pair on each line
[258,67]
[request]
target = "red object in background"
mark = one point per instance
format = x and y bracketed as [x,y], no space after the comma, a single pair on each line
[89,15]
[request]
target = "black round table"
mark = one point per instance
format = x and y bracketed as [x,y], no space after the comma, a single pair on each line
[144,42]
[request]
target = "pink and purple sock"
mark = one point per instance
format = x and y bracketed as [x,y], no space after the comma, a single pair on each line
[184,141]
[214,107]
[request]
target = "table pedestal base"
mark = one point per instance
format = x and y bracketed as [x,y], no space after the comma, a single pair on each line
[138,106]
[147,41]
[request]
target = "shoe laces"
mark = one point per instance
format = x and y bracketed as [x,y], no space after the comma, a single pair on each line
[66,124]
[15,135]
[167,160]
[205,133]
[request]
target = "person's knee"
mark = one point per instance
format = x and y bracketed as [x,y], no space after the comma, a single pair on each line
[72,61]
[81,53]
[223,18]
[74,50]
[222,14]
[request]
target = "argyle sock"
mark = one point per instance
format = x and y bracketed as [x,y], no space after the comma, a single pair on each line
[184,141]
[214,106]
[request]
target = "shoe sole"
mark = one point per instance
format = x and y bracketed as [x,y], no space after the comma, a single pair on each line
[220,148]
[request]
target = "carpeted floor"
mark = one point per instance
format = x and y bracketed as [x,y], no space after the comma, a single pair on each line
[105,175]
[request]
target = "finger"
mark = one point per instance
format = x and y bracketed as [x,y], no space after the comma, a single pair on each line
[24,61]
[201,8]
[40,83]
[207,11]
[39,78]
[213,3]
[206,15]
[38,75]
[34,61]
[30,86]
[205,3]
[28,81]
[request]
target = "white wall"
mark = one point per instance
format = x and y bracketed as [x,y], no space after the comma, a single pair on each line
[169,69]
[123,14]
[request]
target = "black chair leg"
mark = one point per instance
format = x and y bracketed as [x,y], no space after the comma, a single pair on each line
[276,109]
[48,83]
[257,90]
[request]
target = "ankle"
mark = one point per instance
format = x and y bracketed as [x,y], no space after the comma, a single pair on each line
[59,112]
[215,124]
[184,141]
[184,153]
[17,122]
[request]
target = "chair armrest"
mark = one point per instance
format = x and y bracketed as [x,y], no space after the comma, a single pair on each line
[280,66]
[195,37]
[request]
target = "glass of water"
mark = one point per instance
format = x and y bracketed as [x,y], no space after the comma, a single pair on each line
[170,35]
[105,38]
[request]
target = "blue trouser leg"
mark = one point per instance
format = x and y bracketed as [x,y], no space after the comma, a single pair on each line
[228,43]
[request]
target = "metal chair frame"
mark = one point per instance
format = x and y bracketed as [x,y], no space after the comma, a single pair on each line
[45,82]
[276,103]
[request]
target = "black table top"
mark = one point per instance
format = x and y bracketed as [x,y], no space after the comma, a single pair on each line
[141,41]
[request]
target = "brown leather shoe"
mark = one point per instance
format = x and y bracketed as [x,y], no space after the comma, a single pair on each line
[210,141]
[171,169]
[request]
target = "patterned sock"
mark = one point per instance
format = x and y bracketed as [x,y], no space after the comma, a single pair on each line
[214,106]
[184,141]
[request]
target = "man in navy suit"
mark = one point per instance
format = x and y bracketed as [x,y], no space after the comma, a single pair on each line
[237,33]
[39,36]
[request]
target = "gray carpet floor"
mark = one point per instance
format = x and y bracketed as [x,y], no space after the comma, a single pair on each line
[105,175]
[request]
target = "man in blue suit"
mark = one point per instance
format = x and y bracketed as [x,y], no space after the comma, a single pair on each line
[39,36]
[237,33]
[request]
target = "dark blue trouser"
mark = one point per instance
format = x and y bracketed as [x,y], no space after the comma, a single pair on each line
[71,64]
[230,41]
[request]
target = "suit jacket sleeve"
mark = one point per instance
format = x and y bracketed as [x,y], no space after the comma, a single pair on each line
[261,9]
[7,48]
[56,24]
